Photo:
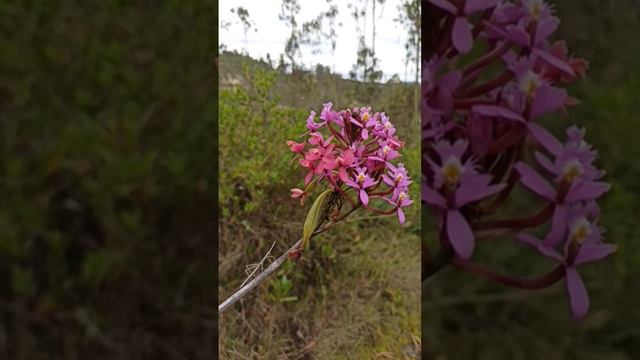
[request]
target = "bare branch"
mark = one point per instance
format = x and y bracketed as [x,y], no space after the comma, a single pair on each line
[244,290]
[258,265]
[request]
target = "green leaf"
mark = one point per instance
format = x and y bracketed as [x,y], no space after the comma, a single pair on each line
[314,217]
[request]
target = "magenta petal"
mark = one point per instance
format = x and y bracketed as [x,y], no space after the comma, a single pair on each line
[558,227]
[547,99]
[445,5]
[401,216]
[343,174]
[545,28]
[518,36]
[460,234]
[586,191]
[352,183]
[364,197]
[550,252]
[554,61]
[431,196]
[595,252]
[365,134]
[528,239]
[466,194]
[461,35]
[544,138]
[472,6]
[531,179]
[308,177]
[578,295]
[353,121]
[497,111]
[451,80]
[545,162]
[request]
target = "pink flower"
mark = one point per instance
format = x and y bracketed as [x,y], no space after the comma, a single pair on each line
[352,149]
[361,182]
[297,193]
[295,147]
[400,200]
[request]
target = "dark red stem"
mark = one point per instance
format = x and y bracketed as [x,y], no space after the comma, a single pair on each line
[521,283]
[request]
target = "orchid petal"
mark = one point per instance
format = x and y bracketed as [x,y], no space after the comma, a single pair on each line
[472,6]
[445,5]
[364,197]
[460,234]
[431,196]
[595,252]
[461,35]
[554,61]
[497,111]
[401,216]
[578,295]
[558,227]
[544,138]
[586,191]
[547,99]
[532,180]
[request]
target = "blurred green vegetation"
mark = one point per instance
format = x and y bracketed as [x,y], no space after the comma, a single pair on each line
[356,293]
[467,318]
[107,112]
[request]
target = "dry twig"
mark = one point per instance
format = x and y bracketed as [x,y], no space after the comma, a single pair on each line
[244,290]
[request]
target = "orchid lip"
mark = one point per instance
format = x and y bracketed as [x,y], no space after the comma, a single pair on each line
[572,170]
[580,230]
[452,169]
[529,83]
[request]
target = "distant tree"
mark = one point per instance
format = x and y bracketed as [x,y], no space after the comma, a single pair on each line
[366,63]
[289,11]
[243,15]
[411,20]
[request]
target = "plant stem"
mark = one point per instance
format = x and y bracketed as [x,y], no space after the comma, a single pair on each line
[521,283]
[274,266]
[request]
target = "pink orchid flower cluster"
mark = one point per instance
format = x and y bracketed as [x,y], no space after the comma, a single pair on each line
[482,137]
[354,155]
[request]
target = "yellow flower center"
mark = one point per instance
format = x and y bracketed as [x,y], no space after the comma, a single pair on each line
[386,149]
[530,83]
[361,177]
[580,230]
[535,8]
[452,169]
[572,170]
[365,117]
[402,196]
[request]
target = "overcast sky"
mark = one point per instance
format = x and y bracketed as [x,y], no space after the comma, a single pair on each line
[272,33]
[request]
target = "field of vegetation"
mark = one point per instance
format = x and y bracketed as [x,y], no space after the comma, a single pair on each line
[356,294]
[467,318]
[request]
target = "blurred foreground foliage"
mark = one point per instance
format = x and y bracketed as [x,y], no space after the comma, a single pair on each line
[106,162]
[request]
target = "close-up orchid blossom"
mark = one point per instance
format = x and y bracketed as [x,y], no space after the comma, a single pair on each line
[493,72]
